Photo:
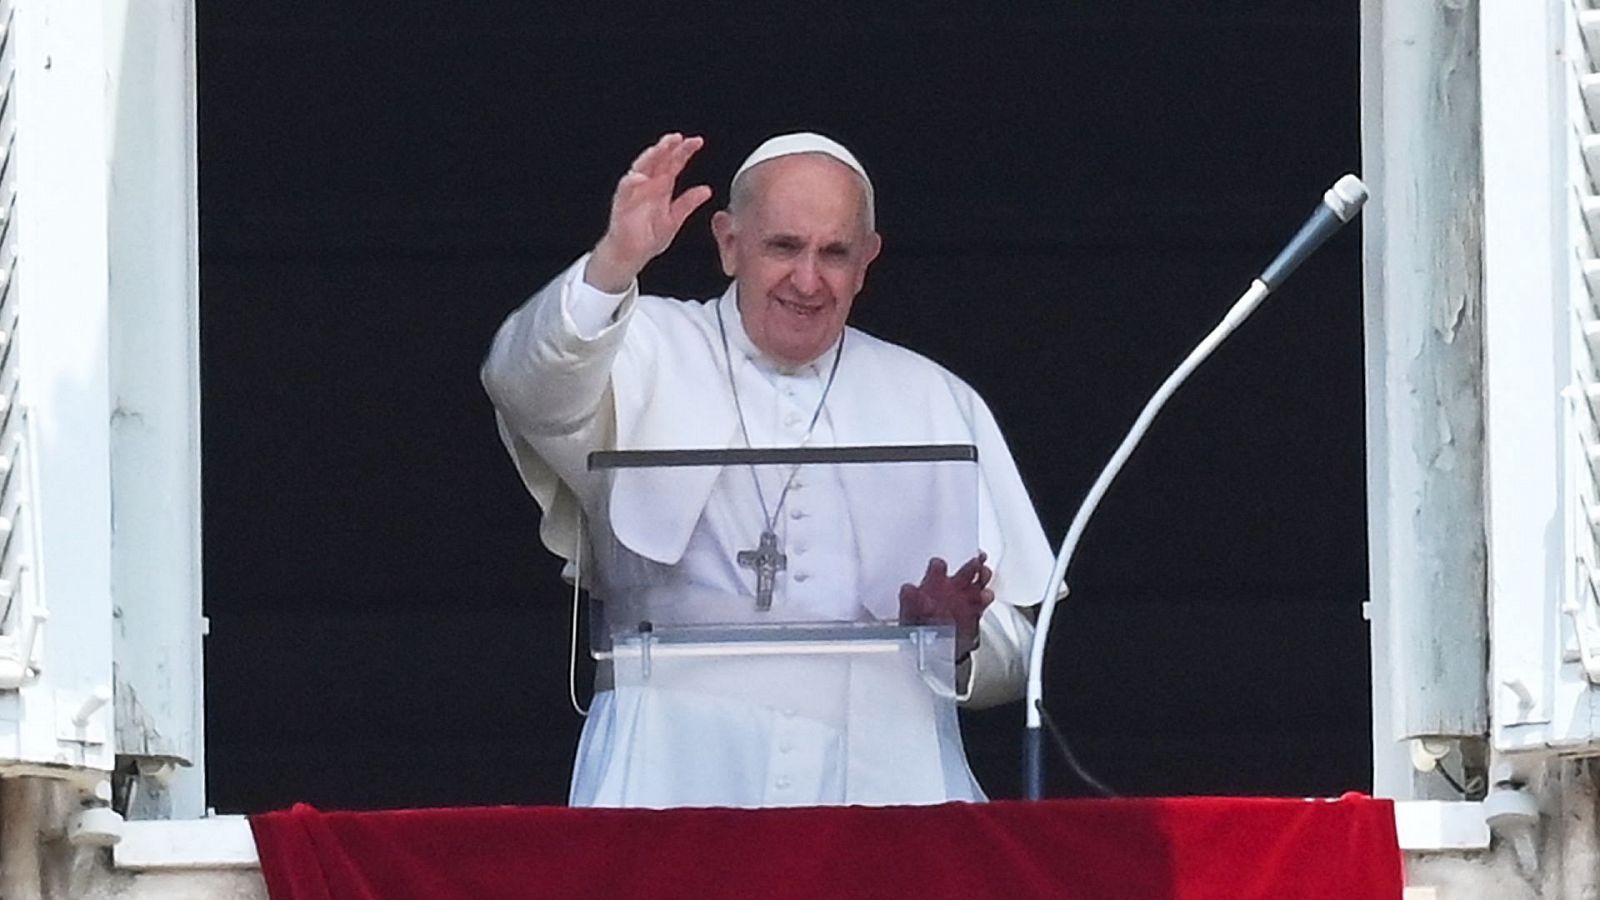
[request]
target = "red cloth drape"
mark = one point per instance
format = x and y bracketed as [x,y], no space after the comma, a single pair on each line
[1151,849]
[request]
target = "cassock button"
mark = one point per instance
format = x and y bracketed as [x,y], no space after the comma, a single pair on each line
[797,514]
[785,746]
[802,576]
[782,783]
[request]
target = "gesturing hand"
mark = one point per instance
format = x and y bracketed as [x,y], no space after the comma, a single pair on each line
[942,598]
[645,216]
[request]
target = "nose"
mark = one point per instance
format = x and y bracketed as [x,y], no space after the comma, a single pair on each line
[805,277]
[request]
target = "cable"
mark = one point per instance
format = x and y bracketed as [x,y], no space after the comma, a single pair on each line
[1072,760]
[1443,773]
[572,653]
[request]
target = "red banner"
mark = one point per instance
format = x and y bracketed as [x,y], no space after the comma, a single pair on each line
[1150,849]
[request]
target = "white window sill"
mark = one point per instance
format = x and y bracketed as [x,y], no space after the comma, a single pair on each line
[220,842]
[1436,825]
[226,842]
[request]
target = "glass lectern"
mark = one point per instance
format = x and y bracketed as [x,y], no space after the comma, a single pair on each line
[747,606]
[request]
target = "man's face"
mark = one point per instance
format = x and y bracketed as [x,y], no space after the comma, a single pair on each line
[799,250]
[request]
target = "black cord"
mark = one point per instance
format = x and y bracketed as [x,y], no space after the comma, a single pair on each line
[1072,761]
[1445,774]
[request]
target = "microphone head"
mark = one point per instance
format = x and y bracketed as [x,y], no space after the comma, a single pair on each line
[1346,197]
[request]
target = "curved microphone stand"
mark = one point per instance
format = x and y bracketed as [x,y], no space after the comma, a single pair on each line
[1339,205]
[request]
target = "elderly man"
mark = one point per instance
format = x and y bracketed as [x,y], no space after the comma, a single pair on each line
[590,364]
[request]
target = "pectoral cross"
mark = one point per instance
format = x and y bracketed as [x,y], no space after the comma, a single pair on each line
[767,562]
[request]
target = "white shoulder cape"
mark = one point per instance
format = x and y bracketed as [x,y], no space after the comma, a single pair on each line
[668,390]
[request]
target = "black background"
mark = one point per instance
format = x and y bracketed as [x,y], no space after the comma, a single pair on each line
[1070,195]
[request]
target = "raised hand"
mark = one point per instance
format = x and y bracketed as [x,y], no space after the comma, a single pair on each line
[960,598]
[645,216]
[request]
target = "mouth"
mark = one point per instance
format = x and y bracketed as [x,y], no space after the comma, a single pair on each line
[800,307]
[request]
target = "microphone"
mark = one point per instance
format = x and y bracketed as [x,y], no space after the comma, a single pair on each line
[1339,205]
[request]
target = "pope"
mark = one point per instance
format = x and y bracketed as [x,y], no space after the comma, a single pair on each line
[589,363]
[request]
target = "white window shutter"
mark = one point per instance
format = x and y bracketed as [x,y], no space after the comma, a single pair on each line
[18,603]
[55,712]
[1541,138]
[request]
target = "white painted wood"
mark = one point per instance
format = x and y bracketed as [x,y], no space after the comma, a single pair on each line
[1542,315]
[155,385]
[57,226]
[1526,353]
[1422,311]
[1590,146]
[1392,774]
[23,612]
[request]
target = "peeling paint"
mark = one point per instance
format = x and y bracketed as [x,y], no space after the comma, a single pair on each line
[136,733]
[1452,309]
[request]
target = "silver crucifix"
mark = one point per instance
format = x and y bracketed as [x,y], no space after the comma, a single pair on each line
[767,562]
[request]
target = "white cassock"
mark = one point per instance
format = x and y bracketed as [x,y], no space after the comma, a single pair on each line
[575,370]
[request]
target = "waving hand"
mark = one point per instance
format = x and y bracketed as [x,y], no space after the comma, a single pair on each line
[645,216]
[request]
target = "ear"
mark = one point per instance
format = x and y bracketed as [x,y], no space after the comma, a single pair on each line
[722,230]
[874,247]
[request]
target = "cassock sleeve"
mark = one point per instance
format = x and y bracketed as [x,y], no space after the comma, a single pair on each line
[997,672]
[549,379]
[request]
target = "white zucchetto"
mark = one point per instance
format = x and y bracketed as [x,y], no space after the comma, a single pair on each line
[805,142]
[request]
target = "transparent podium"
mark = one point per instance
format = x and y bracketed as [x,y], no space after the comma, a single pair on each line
[748,609]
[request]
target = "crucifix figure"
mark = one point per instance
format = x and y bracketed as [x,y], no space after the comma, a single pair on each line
[767,562]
